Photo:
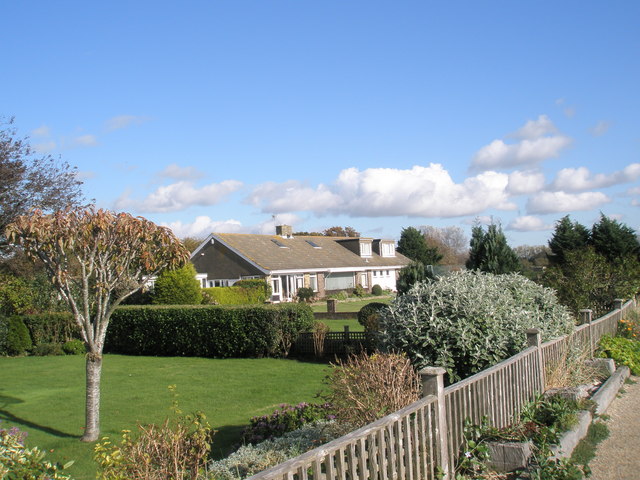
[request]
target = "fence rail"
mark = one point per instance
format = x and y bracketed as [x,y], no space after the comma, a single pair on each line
[413,443]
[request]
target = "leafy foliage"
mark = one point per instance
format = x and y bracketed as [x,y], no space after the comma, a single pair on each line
[285,419]
[450,242]
[305,294]
[364,388]
[74,347]
[369,315]
[177,287]
[257,283]
[211,331]
[233,296]
[376,290]
[568,236]
[411,274]
[18,338]
[413,245]
[19,462]
[490,252]
[623,350]
[53,327]
[470,320]
[16,296]
[338,231]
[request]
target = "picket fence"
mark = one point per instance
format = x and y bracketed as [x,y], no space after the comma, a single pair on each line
[426,437]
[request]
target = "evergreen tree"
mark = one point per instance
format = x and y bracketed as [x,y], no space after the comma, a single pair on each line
[178,287]
[613,240]
[411,274]
[413,245]
[567,237]
[490,251]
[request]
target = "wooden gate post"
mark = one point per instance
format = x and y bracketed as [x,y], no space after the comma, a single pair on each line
[432,379]
[586,316]
[534,339]
[617,303]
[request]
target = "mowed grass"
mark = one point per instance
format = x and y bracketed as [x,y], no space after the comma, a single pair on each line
[45,397]
[338,325]
[350,305]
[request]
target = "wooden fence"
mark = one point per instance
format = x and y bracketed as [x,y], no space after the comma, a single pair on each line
[427,436]
[334,343]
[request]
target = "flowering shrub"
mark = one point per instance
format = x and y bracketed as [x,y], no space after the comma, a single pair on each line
[630,327]
[286,419]
[19,462]
[623,350]
[251,459]
[469,321]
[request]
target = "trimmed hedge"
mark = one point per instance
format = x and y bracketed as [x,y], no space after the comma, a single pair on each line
[207,331]
[234,295]
[52,327]
[4,334]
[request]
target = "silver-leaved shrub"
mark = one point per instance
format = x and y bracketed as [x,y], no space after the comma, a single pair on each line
[470,320]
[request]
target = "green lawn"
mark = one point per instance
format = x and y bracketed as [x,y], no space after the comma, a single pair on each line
[45,396]
[338,325]
[350,305]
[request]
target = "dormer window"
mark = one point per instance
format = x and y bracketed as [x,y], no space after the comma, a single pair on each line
[365,249]
[388,249]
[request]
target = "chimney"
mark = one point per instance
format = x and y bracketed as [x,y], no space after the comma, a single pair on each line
[285,231]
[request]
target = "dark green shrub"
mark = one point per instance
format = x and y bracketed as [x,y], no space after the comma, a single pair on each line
[4,331]
[16,296]
[413,273]
[257,283]
[285,419]
[177,287]
[305,294]
[359,291]
[53,327]
[369,315]
[18,338]
[207,331]
[623,350]
[74,347]
[376,290]
[47,349]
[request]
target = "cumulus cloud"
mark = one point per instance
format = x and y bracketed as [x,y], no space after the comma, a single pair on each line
[528,223]
[376,192]
[554,202]
[203,226]
[44,147]
[85,141]
[85,175]
[124,121]
[600,128]
[539,140]
[42,131]
[525,182]
[179,196]
[177,172]
[581,179]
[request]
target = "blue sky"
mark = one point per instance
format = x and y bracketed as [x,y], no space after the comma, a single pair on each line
[219,115]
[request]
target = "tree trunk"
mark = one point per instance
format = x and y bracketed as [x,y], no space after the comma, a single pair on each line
[92,412]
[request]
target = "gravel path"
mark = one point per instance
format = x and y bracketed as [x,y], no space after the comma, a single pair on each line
[618,457]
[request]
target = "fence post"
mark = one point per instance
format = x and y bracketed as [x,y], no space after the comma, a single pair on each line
[586,316]
[346,333]
[534,339]
[432,379]
[331,305]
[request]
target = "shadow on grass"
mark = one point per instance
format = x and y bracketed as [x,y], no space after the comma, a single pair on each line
[5,401]
[226,440]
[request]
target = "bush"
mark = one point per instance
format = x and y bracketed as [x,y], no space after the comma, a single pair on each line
[630,327]
[286,419]
[251,459]
[413,273]
[56,327]
[4,331]
[74,347]
[469,321]
[19,462]
[305,294]
[18,338]
[255,283]
[47,349]
[376,290]
[177,287]
[177,449]
[365,388]
[359,291]
[369,315]
[623,350]
[16,296]
[207,331]
[234,296]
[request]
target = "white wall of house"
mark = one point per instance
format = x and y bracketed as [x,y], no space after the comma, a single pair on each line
[386,278]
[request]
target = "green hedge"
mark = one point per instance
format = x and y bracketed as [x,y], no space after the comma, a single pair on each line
[52,327]
[234,295]
[207,331]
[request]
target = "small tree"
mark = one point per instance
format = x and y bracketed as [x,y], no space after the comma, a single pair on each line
[341,232]
[413,245]
[614,240]
[177,287]
[96,259]
[411,274]
[567,237]
[490,252]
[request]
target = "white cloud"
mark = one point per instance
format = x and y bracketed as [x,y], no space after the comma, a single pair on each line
[535,129]
[480,219]
[124,121]
[45,147]
[42,131]
[179,196]
[85,141]
[177,172]
[525,182]
[528,223]
[377,192]
[600,128]
[634,191]
[203,226]
[85,175]
[539,141]
[581,179]
[554,202]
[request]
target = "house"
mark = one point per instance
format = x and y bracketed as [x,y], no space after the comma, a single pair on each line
[324,264]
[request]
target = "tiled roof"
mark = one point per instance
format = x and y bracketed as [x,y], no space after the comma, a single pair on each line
[273,252]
